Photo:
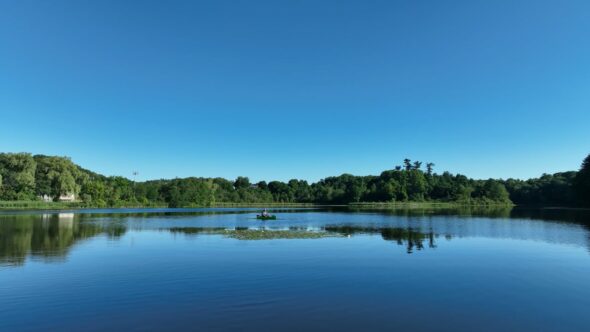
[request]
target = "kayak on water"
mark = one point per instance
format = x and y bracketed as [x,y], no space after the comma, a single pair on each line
[265,216]
[269,217]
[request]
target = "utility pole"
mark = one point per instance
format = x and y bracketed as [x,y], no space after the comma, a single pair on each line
[134,189]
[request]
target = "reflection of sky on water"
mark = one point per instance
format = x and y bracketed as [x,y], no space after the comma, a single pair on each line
[49,236]
[505,271]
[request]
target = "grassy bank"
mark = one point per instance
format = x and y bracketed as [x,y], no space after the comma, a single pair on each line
[425,205]
[41,205]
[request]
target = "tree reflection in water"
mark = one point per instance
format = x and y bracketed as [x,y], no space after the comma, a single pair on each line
[408,237]
[48,237]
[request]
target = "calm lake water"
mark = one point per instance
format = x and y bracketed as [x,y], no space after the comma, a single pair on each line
[310,270]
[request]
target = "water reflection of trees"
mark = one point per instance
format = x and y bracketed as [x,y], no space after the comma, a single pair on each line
[571,216]
[408,237]
[48,236]
[493,211]
[194,230]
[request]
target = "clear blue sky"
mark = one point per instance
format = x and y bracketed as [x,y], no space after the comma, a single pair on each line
[297,89]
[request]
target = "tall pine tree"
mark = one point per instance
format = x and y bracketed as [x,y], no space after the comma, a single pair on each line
[582,183]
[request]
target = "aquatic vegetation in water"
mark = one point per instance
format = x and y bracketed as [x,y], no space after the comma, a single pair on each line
[245,233]
[251,234]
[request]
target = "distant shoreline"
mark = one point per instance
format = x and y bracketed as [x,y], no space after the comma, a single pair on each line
[40,205]
[419,205]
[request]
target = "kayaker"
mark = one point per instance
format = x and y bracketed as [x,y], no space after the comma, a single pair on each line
[265,213]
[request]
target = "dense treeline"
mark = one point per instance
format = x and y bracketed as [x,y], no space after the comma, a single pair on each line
[27,177]
[556,189]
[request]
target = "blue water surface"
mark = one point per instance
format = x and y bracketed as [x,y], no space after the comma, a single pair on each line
[312,269]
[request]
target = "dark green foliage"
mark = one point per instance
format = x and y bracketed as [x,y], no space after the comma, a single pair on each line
[555,190]
[407,164]
[262,185]
[582,183]
[429,168]
[18,176]
[56,176]
[491,190]
[25,177]
[242,182]
[280,192]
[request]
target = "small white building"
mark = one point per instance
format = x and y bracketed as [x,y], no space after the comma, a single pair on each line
[69,197]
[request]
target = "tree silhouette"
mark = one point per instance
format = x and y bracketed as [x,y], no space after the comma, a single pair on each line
[429,167]
[242,182]
[407,164]
[582,183]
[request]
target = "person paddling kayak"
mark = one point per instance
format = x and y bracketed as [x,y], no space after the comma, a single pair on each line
[265,213]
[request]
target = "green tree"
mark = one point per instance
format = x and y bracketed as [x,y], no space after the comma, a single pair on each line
[18,174]
[300,190]
[582,183]
[407,164]
[355,189]
[496,191]
[416,185]
[56,176]
[389,190]
[242,182]
[280,191]
[491,191]
[429,168]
